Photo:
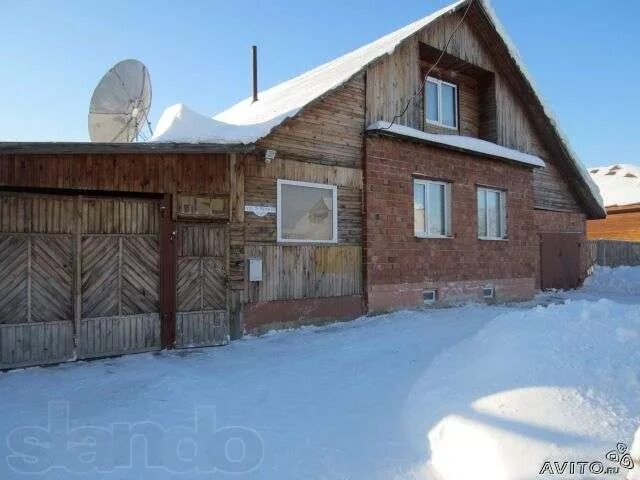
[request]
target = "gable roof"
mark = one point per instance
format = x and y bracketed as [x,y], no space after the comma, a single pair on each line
[247,122]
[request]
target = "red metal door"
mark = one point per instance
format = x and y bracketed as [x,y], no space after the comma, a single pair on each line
[560,260]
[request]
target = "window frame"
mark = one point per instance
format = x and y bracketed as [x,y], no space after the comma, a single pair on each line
[334,216]
[502,213]
[439,123]
[447,207]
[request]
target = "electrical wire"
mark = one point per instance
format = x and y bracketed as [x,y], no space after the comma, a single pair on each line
[426,75]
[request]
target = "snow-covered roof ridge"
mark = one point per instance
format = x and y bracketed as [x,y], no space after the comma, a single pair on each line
[286,99]
[470,144]
[297,92]
[619,184]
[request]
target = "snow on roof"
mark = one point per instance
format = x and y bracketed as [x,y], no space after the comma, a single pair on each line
[470,144]
[619,184]
[179,123]
[285,100]
[551,117]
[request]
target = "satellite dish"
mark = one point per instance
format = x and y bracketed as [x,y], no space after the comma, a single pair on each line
[120,103]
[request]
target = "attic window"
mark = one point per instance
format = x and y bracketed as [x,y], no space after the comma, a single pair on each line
[441,103]
[307,212]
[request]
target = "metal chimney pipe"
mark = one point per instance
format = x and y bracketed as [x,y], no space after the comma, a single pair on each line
[254,50]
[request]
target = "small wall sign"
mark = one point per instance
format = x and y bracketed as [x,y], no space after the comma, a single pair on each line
[189,206]
[260,210]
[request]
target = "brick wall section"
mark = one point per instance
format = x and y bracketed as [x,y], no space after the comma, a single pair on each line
[400,266]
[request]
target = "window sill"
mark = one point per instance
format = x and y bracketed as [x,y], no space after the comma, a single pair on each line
[282,241]
[493,239]
[441,237]
[440,125]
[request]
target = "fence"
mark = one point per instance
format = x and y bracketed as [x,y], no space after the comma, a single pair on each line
[614,253]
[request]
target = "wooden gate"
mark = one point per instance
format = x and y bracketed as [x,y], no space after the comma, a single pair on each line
[80,277]
[202,318]
[36,284]
[560,260]
[119,271]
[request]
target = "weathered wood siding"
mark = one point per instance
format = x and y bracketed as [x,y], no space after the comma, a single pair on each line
[323,144]
[40,343]
[329,131]
[295,272]
[495,111]
[195,173]
[116,335]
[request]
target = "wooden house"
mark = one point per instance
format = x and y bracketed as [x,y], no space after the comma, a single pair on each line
[353,188]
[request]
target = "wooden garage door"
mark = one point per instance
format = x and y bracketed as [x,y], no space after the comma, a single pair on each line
[201,290]
[77,265]
[120,276]
[36,285]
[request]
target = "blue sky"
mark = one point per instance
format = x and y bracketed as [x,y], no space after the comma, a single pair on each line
[583,55]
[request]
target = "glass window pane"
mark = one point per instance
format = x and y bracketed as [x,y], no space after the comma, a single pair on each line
[307,213]
[431,99]
[418,207]
[448,105]
[482,213]
[493,214]
[435,207]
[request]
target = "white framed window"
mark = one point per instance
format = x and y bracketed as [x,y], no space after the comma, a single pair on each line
[441,103]
[307,212]
[431,208]
[492,214]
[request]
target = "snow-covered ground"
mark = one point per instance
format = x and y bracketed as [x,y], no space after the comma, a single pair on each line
[473,392]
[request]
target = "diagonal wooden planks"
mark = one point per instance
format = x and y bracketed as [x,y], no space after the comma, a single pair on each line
[214,291]
[51,278]
[189,284]
[14,279]
[100,271]
[140,285]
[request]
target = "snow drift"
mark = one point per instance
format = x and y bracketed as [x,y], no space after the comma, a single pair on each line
[557,383]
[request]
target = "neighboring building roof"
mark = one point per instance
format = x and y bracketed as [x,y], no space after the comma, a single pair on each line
[248,121]
[458,142]
[619,184]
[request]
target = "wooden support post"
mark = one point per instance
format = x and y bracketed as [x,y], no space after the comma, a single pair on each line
[77,273]
[167,273]
[236,260]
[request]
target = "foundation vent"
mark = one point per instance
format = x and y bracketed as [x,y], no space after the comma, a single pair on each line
[488,292]
[429,296]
